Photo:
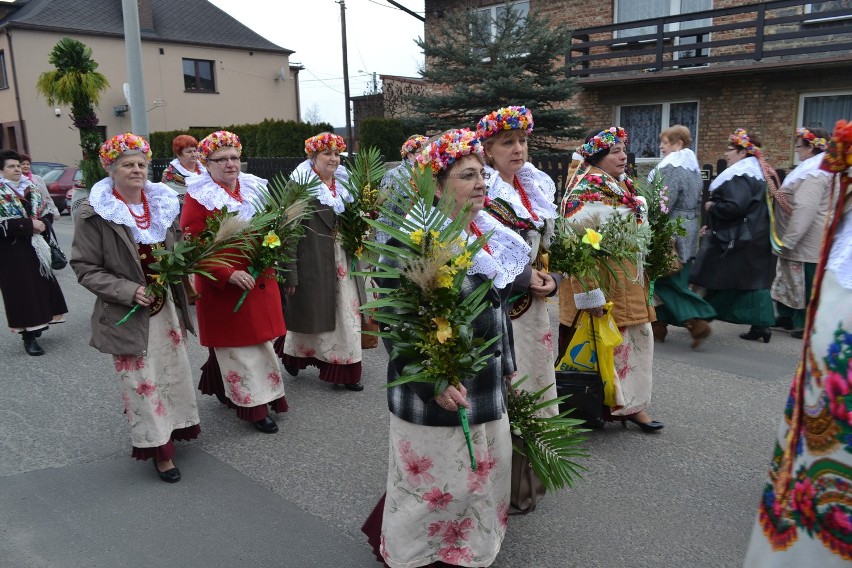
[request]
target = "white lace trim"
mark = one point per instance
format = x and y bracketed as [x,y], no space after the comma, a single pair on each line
[745,167]
[840,257]
[208,193]
[162,202]
[323,192]
[185,172]
[681,159]
[539,187]
[509,256]
[809,167]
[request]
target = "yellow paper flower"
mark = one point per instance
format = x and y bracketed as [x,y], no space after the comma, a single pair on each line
[271,240]
[416,236]
[445,277]
[444,331]
[592,238]
[463,261]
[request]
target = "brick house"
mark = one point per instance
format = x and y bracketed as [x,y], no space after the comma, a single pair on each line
[713,65]
[202,68]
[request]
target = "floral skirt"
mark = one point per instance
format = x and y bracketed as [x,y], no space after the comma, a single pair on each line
[634,360]
[436,508]
[534,355]
[251,374]
[341,346]
[813,525]
[157,389]
[789,284]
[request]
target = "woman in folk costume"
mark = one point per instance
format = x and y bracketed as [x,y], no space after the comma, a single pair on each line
[322,298]
[799,210]
[735,263]
[184,166]
[31,295]
[521,198]
[675,303]
[599,189]
[805,512]
[396,179]
[435,511]
[242,369]
[125,219]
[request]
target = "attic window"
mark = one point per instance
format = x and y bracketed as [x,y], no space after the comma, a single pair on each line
[198,76]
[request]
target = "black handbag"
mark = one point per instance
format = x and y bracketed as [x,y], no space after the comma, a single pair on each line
[57,257]
[585,387]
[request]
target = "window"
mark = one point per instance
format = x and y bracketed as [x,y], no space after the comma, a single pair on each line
[823,110]
[485,19]
[198,76]
[821,7]
[631,11]
[4,82]
[645,122]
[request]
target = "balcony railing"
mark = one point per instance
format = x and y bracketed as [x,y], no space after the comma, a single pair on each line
[774,31]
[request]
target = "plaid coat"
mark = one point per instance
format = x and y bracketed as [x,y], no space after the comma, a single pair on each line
[415,402]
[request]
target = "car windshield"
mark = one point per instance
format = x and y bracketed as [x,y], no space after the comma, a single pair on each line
[53,175]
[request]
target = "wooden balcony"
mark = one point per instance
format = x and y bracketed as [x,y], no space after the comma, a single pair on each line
[773,34]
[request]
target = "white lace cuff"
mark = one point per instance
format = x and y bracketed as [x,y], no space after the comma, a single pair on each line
[591,299]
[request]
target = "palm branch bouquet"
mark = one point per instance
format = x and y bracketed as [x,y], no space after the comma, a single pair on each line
[661,255]
[430,329]
[279,227]
[363,184]
[225,240]
[551,444]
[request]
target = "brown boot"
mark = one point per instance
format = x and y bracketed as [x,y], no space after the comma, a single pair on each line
[660,330]
[699,329]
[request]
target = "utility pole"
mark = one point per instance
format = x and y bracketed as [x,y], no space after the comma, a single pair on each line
[135,77]
[345,75]
[375,84]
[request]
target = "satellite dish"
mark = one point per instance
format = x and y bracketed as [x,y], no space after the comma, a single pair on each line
[282,74]
[127,93]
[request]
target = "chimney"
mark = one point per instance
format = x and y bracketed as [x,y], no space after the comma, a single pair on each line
[146,15]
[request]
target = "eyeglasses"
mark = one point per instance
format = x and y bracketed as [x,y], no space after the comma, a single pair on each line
[470,176]
[800,147]
[235,159]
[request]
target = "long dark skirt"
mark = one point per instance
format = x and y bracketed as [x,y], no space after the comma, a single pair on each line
[680,304]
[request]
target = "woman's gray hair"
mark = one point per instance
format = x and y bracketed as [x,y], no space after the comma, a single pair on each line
[127,153]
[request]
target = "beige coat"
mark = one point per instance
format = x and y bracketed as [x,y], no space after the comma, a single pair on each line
[105,259]
[810,199]
[630,301]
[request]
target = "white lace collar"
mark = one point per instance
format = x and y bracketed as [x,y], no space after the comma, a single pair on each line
[809,167]
[185,172]
[745,167]
[208,193]
[538,186]
[162,203]
[305,170]
[509,256]
[681,159]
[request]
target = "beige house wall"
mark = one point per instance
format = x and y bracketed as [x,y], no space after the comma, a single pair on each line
[247,90]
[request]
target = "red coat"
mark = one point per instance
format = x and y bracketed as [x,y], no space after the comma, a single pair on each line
[258,320]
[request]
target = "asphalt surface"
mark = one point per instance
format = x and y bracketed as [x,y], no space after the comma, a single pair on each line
[71,496]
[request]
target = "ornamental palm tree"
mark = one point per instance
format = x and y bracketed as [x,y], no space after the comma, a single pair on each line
[76,83]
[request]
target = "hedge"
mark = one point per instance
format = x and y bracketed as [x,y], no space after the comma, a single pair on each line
[268,138]
[387,134]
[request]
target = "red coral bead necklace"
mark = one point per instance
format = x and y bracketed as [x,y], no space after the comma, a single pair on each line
[235,193]
[524,197]
[478,232]
[142,221]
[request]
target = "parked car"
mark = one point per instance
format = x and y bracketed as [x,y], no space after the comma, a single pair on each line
[41,168]
[60,181]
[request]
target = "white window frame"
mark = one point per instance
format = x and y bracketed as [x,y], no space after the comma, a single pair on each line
[664,122]
[492,12]
[800,112]
[674,10]
[818,20]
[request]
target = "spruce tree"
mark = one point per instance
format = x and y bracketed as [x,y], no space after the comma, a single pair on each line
[511,60]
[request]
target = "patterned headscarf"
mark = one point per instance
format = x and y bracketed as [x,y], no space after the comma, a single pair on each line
[507,118]
[113,148]
[217,140]
[447,148]
[324,141]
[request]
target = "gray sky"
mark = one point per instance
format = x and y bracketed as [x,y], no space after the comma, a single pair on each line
[380,39]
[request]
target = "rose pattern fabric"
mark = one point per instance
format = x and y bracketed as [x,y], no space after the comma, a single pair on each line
[534,354]
[633,369]
[251,373]
[436,508]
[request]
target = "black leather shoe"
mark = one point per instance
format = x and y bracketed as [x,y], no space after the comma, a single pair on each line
[652,426]
[292,370]
[169,476]
[266,425]
[756,333]
[784,322]
[797,334]
[31,346]
[357,387]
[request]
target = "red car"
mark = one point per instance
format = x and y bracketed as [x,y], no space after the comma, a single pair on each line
[59,182]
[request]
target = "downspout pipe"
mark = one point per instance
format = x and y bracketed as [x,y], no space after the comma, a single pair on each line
[17,93]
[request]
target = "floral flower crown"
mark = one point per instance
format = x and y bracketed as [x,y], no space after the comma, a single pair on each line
[449,147]
[740,138]
[413,145]
[838,155]
[809,136]
[217,140]
[602,141]
[507,118]
[324,141]
[118,145]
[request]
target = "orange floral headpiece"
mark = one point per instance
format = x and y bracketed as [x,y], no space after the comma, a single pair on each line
[324,141]
[449,147]
[740,138]
[838,154]
[810,137]
[118,145]
[217,140]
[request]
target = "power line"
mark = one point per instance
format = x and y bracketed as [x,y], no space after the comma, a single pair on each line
[323,82]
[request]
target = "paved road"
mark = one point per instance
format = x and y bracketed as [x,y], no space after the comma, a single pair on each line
[70,496]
